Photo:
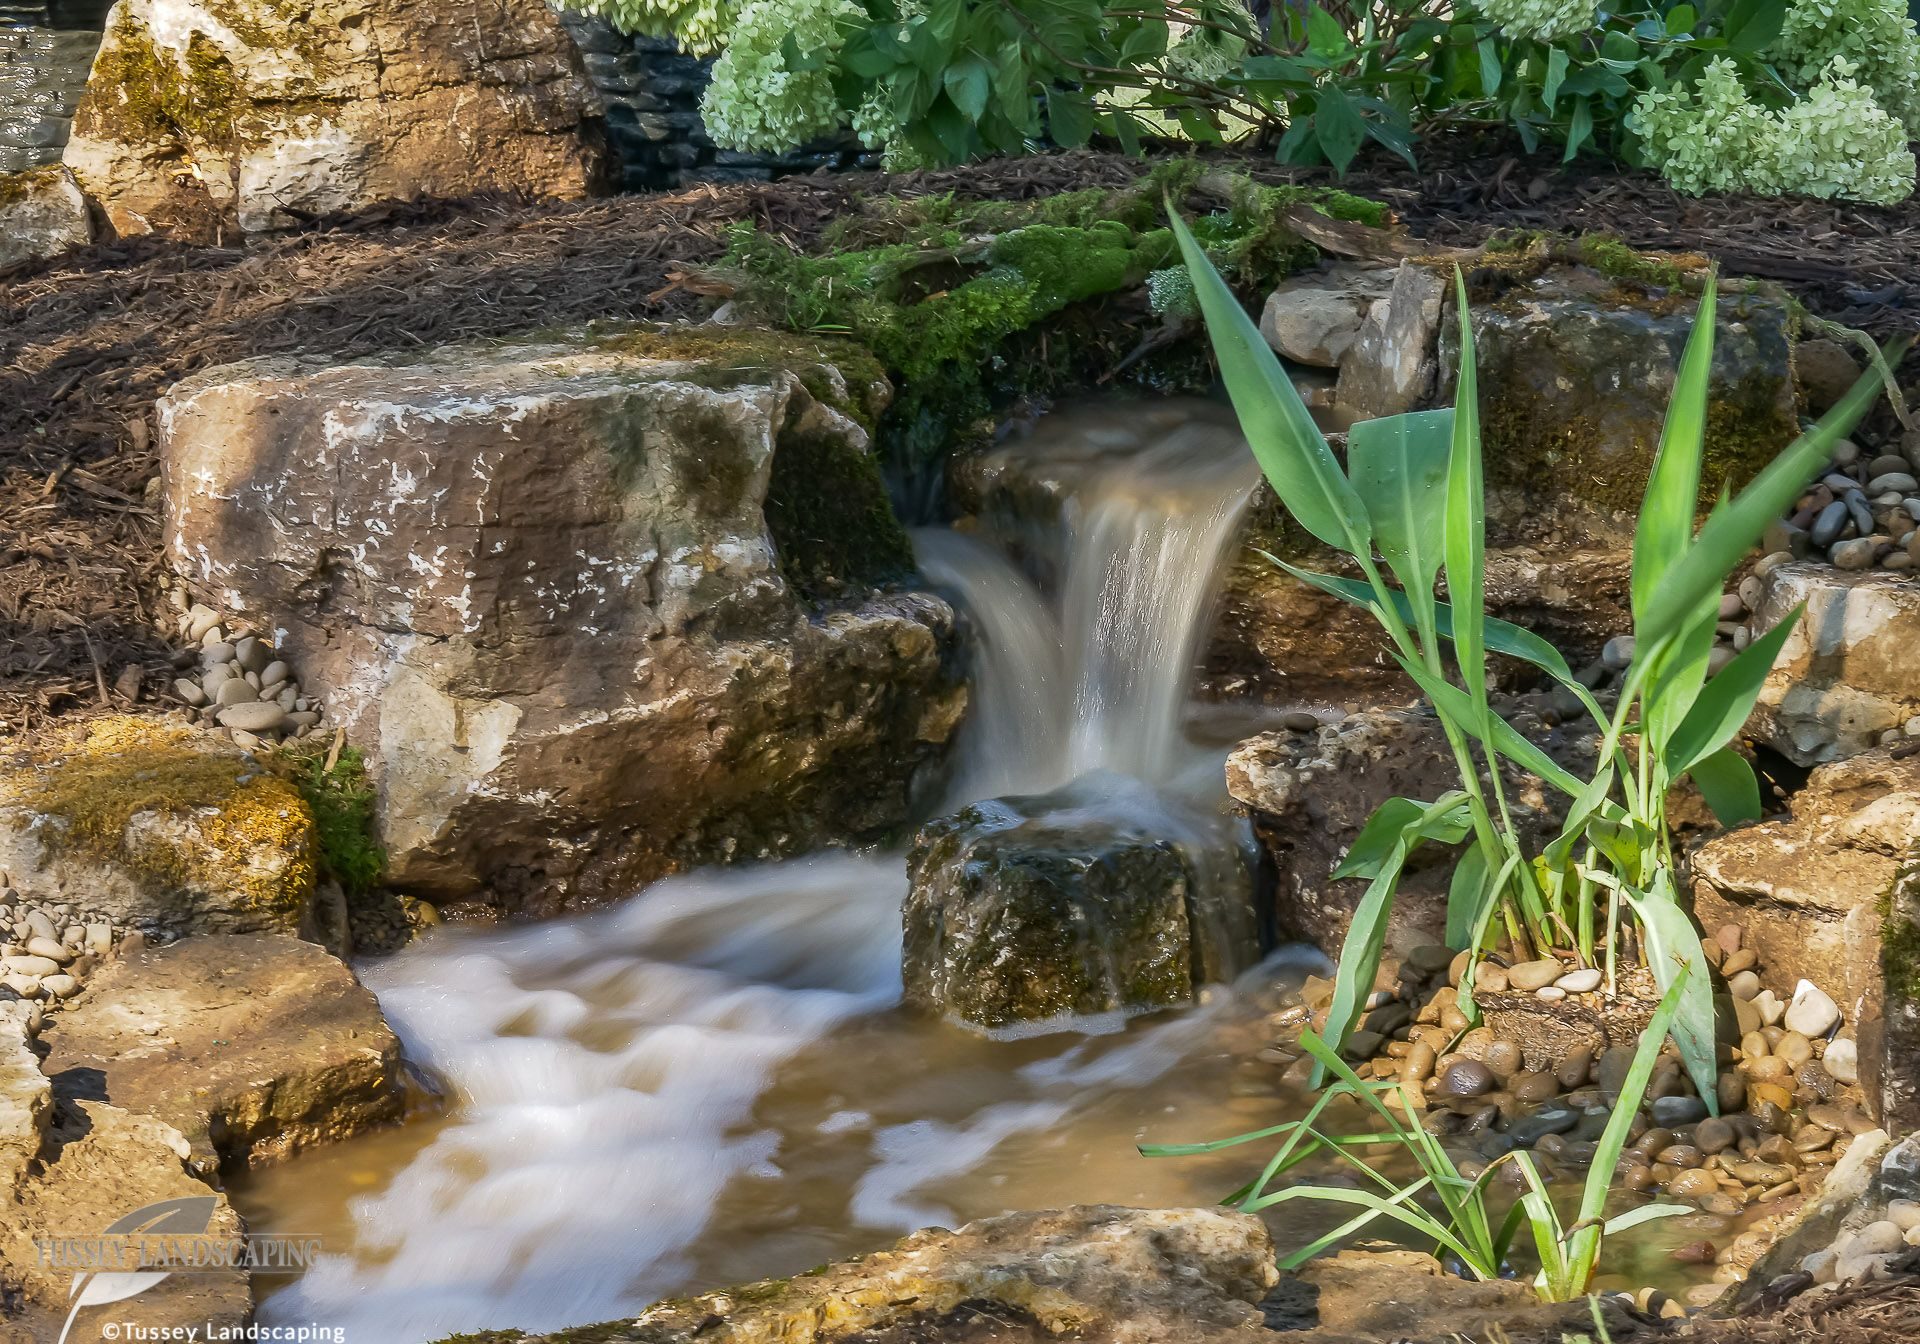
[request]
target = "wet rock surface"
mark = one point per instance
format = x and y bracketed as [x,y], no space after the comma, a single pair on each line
[252,1047]
[525,567]
[197,107]
[1022,910]
[1096,1272]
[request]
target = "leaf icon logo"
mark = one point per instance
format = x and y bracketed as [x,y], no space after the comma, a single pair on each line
[191,1214]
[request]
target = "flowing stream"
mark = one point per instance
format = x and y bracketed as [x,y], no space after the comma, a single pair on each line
[711,1083]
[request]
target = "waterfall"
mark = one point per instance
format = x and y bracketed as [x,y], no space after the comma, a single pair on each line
[620,1083]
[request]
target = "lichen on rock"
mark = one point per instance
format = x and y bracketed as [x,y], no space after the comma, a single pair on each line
[158,827]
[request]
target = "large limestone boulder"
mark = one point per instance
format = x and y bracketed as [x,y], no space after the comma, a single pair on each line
[1848,672]
[1093,899]
[253,1047]
[595,608]
[42,214]
[277,111]
[1096,1272]
[154,826]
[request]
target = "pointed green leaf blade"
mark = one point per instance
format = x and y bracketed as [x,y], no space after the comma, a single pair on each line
[1728,783]
[1289,446]
[1673,485]
[1466,524]
[1398,464]
[1721,709]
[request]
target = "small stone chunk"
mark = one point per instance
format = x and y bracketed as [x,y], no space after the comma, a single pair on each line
[1812,1013]
[1529,976]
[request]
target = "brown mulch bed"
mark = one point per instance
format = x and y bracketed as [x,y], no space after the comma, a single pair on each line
[89,342]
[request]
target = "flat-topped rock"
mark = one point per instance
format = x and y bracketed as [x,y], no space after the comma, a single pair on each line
[1094,1272]
[596,608]
[157,827]
[253,1047]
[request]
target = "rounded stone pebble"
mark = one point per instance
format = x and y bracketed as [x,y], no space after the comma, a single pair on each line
[1811,1013]
[1673,1112]
[1529,976]
[61,986]
[234,691]
[1618,652]
[261,716]
[1853,555]
[1583,981]
[1466,1078]
[1828,525]
[1299,721]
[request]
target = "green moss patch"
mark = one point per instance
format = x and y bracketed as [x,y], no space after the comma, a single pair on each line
[342,802]
[974,304]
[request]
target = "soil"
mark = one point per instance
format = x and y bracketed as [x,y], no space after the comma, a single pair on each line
[90,340]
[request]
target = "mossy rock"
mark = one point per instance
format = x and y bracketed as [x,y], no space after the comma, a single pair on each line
[157,826]
[1090,900]
[1576,369]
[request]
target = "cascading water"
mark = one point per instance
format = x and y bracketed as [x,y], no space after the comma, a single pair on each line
[706,1085]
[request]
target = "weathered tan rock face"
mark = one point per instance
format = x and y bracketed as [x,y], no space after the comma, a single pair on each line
[252,1047]
[1096,1272]
[101,1164]
[551,589]
[157,827]
[1847,673]
[1809,887]
[42,214]
[278,111]
[26,1098]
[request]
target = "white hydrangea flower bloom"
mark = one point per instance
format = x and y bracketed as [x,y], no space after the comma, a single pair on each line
[1545,20]
[755,102]
[1877,39]
[1836,141]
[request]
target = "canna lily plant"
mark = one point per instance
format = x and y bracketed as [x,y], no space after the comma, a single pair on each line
[1409,510]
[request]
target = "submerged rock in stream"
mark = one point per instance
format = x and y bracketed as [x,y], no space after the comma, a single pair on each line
[1096,898]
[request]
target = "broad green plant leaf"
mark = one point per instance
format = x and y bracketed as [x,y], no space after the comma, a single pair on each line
[1673,953]
[1721,709]
[1290,448]
[1727,782]
[1466,891]
[1398,463]
[1391,822]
